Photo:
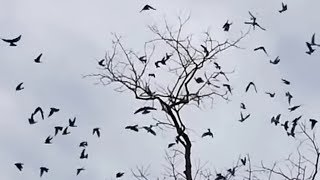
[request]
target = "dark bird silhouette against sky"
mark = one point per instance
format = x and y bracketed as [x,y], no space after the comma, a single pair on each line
[37,59]
[57,129]
[226,26]
[79,170]
[243,161]
[152,75]
[144,109]
[147,7]
[72,123]
[251,84]
[12,42]
[43,170]
[48,140]
[285,125]
[275,61]
[133,128]
[143,59]
[284,8]
[102,63]
[293,108]
[19,87]
[65,131]
[228,88]
[171,144]
[242,106]
[310,49]
[52,111]
[285,81]
[232,171]
[83,144]
[199,80]
[313,40]
[208,133]
[149,130]
[83,154]
[313,123]
[271,94]
[289,97]
[261,48]
[163,60]
[276,120]
[205,50]
[19,166]
[96,131]
[38,109]
[119,174]
[243,118]
[295,120]
[254,22]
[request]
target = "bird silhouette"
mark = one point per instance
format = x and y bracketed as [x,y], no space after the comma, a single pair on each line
[149,130]
[163,60]
[152,75]
[205,50]
[19,166]
[171,144]
[217,66]
[242,106]
[293,108]
[226,26]
[83,155]
[12,42]
[38,109]
[147,7]
[79,170]
[232,171]
[289,97]
[57,129]
[228,87]
[48,140]
[199,80]
[52,111]
[83,144]
[42,170]
[254,22]
[102,63]
[65,131]
[285,125]
[96,131]
[295,120]
[220,177]
[37,59]
[243,161]
[284,8]
[276,61]
[310,49]
[271,94]
[133,128]
[32,121]
[273,120]
[144,109]
[313,123]
[19,87]
[143,59]
[286,81]
[72,123]
[208,133]
[119,174]
[242,118]
[251,84]
[313,41]
[261,48]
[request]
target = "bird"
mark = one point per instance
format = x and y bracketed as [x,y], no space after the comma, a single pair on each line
[48,140]
[37,59]
[313,42]
[57,129]
[232,171]
[133,128]
[144,109]
[243,118]
[217,65]
[83,144]
[83,155]
[242,106]
[79,170]
[310,49]
[199,80]
[171,144]
[226,26]
[149,129]
[284,8]
[163,60]
[295,121]
[261,48]
[143,59]
[273,120]
[42,170]
[205,50]
[119,174]
[228,87]
[293,108]
[254,22]
[147,7]
[65,131]
[152,75]
[38,109]
[243,161]
[97,131]
[208,133]
[19,166]
[276,120]
[285,125]
[102,63]
[19,87]
[52,111]
[313,123]
[72,122]
[251,84]
[271,94]
[285,81]
[276,61]
[31,120]
[289,97]
[220,177]
[12,41]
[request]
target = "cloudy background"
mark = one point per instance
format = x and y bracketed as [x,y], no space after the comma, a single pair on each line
[74,34]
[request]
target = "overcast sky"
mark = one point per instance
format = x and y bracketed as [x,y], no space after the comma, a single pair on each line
[74,34]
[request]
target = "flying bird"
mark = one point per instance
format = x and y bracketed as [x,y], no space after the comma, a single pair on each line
[313,123]
[12,41]
[232,171]
[144,109]
[133,128]
[37,59]
[285,125]
[295,121]
[313,41]
[52,111]
[243,161]
[228,87]
[31,120]
[163,60]
[217,65]
[289,97]
[276,61]
[205,50]
[19,87]
[119,174]
[171,144]
[48,140]
[42,170]
[310,49]
[276,120]
[57,129]
[72,122]
[65,131]
[83,155]
[271,94]
[284,8]
[208,133]
[226,26]
[83,144]
[19,166]
[293,108]
[149,129]
[243,118]
[38,109]
[220,177]
[152,75]
[96,131]
[147,7]
[199,80]
[102,63]
[261,48]
[242,106]
[79,170]
[143,59]
[251,84]
[285,81]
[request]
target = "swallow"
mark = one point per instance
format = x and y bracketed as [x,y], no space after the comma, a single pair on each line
[284,8]
[261,48]
[149,129]
[65,131]
[243,118]
[147,7]
[57,129]
[242,106]
[251,84]
[37,59]
[12,41]
[293,108]
[97,131]
[48,140]
[289,97]
[79,170]
[83,144]
[133,128]
[271,94]
[313,123]
[72,122]
[226,26]
[276,61]
[143,59]
[83,155]
[102,63]
[19,166]
[152,75]
[243,161]
[228,87]
[52,111]
[199,80]
[171,144]
[119,174]
[208,133]
[286,81]
[42,170]
[310,49]
[19,87]
[205,50]
[144,109]
[285,125]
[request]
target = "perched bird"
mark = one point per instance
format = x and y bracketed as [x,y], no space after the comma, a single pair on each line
[293,108]
[285,125]
[254,22]
[143,59]
[12,41]
[102,63]
[19,166]
[285,81]
[313,123]
[79,170]
[133,128]
[65,131]
[19,87]
[152,75]
[57,129]
[42,170]
[228,87]
[271,94]
[289,97]
[284,8]
[226,26]
[149,129]
[83,155]
[199,80]
[251,84]
[144,109]
[261,48]
[72,122]
[83,144]
[243,118]
[52,111]
[119,174]
[96,131]
[37,59]
[276,61]
[208,133]
[310,49]
[171,144]
[48,140]
[243,161]
[205,50]
[242,106]
[147,7]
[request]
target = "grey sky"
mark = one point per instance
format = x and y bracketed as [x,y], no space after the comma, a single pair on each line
[73,35]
